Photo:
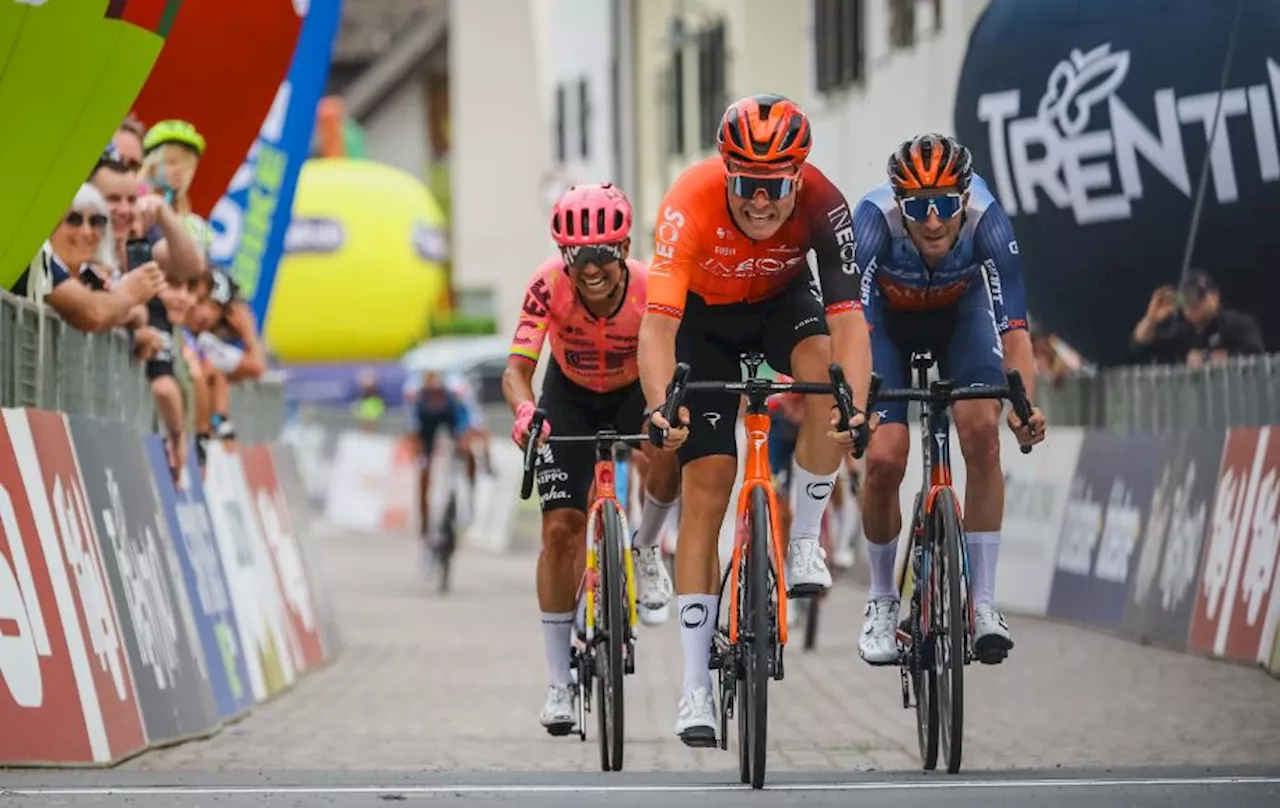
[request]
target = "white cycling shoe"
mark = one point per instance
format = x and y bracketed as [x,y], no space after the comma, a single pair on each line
[991,639]
[560,710]
[807,573]
[696,718]
[653,584]
[878,644]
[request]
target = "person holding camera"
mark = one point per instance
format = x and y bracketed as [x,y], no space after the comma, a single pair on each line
[1188,325]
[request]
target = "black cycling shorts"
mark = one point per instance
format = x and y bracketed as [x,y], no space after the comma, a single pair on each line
[712,340]
[566,470]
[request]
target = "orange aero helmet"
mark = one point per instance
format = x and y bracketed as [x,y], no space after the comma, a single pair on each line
[764,131]
[930,161]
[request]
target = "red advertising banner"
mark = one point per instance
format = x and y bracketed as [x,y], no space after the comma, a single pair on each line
[40,707]
[291,573]
[1238,570]
[55,493]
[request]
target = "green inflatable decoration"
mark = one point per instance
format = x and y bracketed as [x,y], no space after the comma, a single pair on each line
[69,71]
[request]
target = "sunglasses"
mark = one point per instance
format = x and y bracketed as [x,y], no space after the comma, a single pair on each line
[947,206]
[77,219]
[747,186]
[599,254]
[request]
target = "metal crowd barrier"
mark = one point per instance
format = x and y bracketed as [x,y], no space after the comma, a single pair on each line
[47,364]
[1244,391]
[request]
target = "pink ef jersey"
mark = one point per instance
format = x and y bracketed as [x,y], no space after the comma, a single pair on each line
[595,353]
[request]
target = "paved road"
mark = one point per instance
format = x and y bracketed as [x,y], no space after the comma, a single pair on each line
[1133,789]
[455,684]
[435,700]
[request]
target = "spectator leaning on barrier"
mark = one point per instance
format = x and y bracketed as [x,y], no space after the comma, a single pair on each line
[82,242]
[225,336]
[1189,324]
[128,142]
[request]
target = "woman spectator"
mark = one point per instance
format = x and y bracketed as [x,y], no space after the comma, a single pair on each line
[83,243]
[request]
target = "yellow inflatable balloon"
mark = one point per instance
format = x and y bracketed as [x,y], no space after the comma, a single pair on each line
[361,272]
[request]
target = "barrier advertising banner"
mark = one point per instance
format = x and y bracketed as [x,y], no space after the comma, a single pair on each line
[1162,594]
[1238,569]
[295,493]
[1110,496]
[281,540]
[80,630]
[196,549]
[164,652]
[260,615]
[42,667]
[1036,489]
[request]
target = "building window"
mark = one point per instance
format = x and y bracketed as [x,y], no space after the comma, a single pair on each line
[839,39]
[711,83]
[560,123]
[902,23]
[584,119]
[673,103]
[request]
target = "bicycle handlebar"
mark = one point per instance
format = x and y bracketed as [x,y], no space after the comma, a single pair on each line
[1015,391]
[531,447]
[760,389]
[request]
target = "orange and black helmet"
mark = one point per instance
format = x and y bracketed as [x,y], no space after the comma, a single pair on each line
[930,161]
[764,131]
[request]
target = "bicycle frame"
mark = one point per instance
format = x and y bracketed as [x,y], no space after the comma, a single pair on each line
[611,463]
[756,473]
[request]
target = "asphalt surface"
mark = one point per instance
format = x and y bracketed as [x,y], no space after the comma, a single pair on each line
[1228,788]
[435,699]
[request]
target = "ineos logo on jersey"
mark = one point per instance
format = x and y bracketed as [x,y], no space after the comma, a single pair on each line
[693,615]
[842,226]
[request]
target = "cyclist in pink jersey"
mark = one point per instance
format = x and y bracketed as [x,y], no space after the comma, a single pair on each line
[589,301]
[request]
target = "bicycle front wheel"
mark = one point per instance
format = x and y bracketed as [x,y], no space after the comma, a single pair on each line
[759,619]
[613,608]
[949,645]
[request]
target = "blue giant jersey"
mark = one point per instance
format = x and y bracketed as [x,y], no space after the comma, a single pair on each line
[894,276]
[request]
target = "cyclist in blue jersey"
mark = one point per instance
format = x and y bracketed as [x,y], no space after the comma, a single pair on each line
[434,406]
[940,271]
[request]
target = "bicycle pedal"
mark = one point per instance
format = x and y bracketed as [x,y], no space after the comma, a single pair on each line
[805,591]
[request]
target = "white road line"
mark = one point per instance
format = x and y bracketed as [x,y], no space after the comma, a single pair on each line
[476,788]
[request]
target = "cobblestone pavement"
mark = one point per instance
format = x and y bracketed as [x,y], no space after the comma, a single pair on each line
[455,683]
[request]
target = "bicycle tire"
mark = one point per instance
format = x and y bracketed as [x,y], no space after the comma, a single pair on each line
[448,542]
[760,657]
[613,602]
[924,679]
[811,622]
[949,646]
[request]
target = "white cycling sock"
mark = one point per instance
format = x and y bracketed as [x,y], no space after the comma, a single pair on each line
[882,557]
[557,627]
[984,551]
[697,628]
[809,495]
[653,516]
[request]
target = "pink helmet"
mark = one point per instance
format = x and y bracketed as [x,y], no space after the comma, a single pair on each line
[588,215]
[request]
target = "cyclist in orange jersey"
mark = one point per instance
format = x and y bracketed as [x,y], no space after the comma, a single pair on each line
[731,274]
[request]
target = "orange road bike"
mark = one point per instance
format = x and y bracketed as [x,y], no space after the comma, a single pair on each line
[748,651]
[605,646]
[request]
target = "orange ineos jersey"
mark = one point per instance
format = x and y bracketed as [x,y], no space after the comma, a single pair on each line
[698,249]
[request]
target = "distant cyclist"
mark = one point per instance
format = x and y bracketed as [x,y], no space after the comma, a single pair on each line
[588,300]
[940,272]
[435,406]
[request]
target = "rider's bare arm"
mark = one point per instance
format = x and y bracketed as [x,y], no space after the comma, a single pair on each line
[517,381]
[675,243]
[657,356]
